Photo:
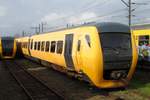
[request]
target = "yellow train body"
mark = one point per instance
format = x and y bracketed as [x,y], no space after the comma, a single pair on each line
[141,33]
[5,44]
[87,56]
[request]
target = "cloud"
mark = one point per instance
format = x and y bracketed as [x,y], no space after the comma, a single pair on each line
[5,26]
[87,16]
[52,17]
[65,19]
[2,11]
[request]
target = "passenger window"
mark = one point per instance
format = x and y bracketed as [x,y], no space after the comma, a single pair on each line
[38,45]
[42,46]
[31,44]
[35,45]
[79,45]
[59,47]
[22,45]
[53,44]
[47,46]
[87,37]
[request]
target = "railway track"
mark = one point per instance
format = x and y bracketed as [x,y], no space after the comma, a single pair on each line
[34,88]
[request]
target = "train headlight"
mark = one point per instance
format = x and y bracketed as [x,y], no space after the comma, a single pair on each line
[118,75]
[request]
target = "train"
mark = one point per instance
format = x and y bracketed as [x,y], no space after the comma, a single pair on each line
[8,47]
[103,54]
[142,37]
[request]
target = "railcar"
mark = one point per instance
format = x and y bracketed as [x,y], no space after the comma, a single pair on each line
[103,54]
[7,47]
[142,38]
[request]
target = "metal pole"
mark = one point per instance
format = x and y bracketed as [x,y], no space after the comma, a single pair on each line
[39,28]
[130,15]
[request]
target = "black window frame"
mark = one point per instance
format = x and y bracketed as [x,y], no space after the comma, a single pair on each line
[42,45]
[59,48]
[31,46]
[47,46]
[35,45]
[39,45]
[88,40]
[53,46]
[79,45]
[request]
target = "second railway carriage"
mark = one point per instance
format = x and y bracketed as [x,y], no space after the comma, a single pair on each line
[7,47]
[142,38]
[104,54]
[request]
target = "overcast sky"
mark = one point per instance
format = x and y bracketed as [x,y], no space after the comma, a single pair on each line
[19,15]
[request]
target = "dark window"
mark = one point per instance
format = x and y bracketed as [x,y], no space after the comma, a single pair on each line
[42,46]
[22,45]
[59,47]
[53,44]
[47,46]
[31,44]
[38,45]
[115,40]
[79,45]
[143,40]
[35,45]
[87,37]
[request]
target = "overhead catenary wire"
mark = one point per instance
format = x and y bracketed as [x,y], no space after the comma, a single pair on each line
[81,11]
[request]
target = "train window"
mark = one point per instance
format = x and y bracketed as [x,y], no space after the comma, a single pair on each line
[59,47]
[143,40]
[26,44]
[31,44]
[22,44]
[53,44]
[87,37]
[42,46]
[38,46]
[79,45]
[47,46]
[35,45]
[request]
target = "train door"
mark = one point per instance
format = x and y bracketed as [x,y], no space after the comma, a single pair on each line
[68,51]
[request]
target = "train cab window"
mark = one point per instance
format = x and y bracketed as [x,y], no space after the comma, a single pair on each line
[38,46]
[59,47]
[35,45]
[79,45]
[47,46]
[53,45]
[42,46]
[87,37]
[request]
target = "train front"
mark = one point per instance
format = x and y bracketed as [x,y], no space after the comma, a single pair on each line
[119,54]
[8,48]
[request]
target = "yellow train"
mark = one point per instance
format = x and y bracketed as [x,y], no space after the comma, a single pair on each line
[7,47]
[104,53]
[141,36]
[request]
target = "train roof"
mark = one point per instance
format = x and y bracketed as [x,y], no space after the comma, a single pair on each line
[112,27]
[103,27]
[141,26]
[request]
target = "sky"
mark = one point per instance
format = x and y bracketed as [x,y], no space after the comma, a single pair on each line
[22,15]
